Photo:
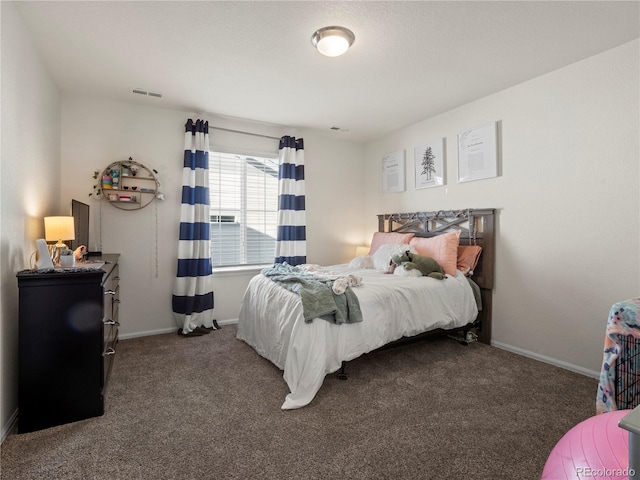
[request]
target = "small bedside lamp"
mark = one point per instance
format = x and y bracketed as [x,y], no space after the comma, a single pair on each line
[57,229]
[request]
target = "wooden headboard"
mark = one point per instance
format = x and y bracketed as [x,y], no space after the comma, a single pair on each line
[476,227]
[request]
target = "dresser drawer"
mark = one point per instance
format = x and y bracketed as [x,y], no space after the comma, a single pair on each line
[111,302]
[108,355]
[110,306]
[111,294]
[110,333]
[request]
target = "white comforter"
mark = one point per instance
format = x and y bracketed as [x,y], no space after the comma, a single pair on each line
[271,321]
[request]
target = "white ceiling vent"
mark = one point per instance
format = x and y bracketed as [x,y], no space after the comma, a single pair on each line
[139,91]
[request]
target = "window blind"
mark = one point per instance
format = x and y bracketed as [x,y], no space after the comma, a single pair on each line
[244,206]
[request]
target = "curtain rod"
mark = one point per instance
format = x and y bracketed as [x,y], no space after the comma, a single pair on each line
[244,133]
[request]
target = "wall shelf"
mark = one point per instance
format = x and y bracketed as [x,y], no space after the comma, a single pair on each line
[129,185]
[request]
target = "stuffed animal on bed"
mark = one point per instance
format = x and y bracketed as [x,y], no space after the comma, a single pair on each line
[411,264]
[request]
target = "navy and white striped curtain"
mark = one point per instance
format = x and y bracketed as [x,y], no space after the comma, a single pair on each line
[291,245]
[193,287]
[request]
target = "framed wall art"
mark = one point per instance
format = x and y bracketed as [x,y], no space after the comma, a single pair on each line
[428,161]
[393,177]
[478,153]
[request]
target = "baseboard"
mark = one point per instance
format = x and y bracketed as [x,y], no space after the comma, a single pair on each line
[231,321]
[161,331]
[7,429]
[545,359]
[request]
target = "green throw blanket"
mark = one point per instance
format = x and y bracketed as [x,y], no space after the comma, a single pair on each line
[318,299]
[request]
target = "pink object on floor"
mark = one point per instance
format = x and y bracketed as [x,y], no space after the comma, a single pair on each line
[595,448]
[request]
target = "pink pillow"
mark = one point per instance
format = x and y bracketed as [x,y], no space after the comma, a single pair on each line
[468,256]
[442,248]
[383,238]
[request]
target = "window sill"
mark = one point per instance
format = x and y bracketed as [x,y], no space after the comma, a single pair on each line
[239,270]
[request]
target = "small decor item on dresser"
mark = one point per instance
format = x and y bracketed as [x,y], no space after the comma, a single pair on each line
[113,197]
[80,252]
[67,258]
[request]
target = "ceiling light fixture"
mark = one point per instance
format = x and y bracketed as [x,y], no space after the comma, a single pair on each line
[333,41]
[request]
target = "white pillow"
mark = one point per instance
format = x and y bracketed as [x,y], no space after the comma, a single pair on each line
[382,257]
[365,261]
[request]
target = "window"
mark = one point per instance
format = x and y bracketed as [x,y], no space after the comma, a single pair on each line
[244,208]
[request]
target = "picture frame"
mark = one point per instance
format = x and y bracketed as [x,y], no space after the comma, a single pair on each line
[428,160]
[478,153]
[393,172]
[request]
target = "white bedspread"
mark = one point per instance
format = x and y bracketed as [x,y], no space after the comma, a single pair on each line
[271,322]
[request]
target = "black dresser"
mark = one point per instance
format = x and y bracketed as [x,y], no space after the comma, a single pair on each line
[68,332]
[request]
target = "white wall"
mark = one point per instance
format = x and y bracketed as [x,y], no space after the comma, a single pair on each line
[568,201]
[98,132]
[29,182]
[335,188]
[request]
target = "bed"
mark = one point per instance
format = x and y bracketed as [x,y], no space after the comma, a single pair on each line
[393,308]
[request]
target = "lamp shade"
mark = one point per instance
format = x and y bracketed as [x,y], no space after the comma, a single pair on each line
[59,228]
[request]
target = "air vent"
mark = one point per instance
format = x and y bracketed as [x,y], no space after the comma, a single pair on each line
[139,91]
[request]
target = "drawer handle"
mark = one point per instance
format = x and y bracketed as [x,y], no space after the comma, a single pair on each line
[110,351]
[109,292]
[111,322]
[116,278]
[117,300]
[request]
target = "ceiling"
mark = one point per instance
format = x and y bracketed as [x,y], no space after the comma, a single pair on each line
[254,60]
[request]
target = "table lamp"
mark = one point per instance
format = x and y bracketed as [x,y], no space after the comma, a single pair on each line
[57,229]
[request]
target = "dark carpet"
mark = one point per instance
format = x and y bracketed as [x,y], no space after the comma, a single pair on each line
[208,407]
